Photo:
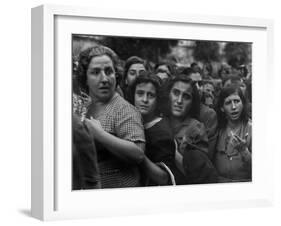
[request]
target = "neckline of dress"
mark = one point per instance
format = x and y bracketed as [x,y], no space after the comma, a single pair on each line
[152,123]
[106,106]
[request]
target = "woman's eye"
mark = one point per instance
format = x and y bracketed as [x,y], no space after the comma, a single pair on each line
[108,70]
[139,93]
[176,92]
[151,95]
[227,103]
[96,71]
[132,73]
[186,96]
[141,72]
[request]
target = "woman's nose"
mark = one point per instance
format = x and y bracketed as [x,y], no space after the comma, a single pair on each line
[233,105]
[104,78]
[145,99]
[179,99]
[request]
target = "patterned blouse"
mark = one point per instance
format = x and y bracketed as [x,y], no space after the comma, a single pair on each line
[122,120]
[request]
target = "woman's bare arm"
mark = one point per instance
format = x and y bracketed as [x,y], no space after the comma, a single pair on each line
[128,151]
[154,172]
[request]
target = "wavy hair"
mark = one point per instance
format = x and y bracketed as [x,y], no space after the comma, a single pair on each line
[85,58]
[145,78]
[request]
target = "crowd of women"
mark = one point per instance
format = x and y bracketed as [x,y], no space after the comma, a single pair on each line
[166,125]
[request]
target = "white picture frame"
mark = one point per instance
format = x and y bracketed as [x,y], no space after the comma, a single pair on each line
[52,197]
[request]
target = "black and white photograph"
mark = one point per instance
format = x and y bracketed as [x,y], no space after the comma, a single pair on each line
[154,111]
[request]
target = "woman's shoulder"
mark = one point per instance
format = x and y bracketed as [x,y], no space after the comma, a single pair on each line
[161,128]
[249,123]
[164,123]
[123,106]
[248,127]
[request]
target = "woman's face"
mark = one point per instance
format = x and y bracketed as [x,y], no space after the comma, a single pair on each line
[101,78]
[209,88]
[146,99]
[180,99]
[232,107]
[134,71]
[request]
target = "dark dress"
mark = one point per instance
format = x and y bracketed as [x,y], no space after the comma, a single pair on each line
[160,145]
[208,117]
[193,144]
[85,170]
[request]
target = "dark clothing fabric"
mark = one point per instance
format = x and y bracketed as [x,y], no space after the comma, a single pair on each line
[198,167]
[160,145]
[190,131]
[193,144]
[85,171]
[116,174]
[208,117]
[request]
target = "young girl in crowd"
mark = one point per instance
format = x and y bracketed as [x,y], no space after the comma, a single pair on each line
[159,163]
[233,157]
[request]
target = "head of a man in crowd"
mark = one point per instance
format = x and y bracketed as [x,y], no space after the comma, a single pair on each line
[196,68]
[195,76]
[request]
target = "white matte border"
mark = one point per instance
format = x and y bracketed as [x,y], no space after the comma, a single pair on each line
[158,199]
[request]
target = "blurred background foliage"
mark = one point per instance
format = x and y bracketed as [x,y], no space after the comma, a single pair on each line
[180,52]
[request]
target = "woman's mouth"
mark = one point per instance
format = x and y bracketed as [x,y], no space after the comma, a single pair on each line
[143,107]
[177,108]
[235,114]
[104,89]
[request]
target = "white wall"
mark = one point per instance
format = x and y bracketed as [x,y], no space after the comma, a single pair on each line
[15,112]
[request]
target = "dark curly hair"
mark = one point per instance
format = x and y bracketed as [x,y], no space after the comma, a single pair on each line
[195,108]
[147,77]
[85,58]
